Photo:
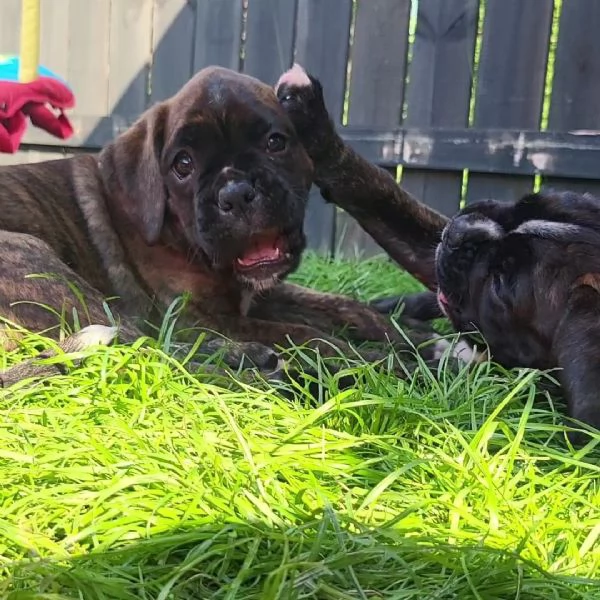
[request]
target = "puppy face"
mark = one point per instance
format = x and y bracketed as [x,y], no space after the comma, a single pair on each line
[222,176]
[507,270]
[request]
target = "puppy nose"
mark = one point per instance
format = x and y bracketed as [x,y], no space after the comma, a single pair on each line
[235,195]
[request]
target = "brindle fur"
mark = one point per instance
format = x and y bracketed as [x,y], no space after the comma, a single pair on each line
[406,229]
[107,226]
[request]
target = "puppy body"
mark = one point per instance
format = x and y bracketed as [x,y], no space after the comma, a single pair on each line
[205,194]
[527,276]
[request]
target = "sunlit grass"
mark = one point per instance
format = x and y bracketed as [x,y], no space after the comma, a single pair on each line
[132,478]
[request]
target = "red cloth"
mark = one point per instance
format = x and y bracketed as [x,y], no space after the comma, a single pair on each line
[35,100]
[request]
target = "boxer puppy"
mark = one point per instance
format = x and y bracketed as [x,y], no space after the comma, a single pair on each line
[526,275]
[205,194]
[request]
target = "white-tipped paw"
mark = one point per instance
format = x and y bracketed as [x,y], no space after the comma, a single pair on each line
[460,350]
[296,77]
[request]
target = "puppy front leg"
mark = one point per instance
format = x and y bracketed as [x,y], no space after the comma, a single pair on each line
[249,330]
[330,313]
[576,346]
[406,229]
[422,306]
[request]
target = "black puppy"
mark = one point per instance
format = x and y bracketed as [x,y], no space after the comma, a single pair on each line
[527,276]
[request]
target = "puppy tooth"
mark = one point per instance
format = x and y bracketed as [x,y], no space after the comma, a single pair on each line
[92,335]
[295,76]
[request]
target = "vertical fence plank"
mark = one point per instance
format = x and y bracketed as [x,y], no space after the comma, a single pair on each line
[376,91]
[88,37]
[379,69]
[173,47]
[322,38]
[10,26]
[269,48]
[218,33]
[129,56]
[576,84]
[54,35]
[439,89]
[511,78]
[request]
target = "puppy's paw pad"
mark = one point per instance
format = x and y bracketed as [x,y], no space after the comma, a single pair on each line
[294,77]
[299,92]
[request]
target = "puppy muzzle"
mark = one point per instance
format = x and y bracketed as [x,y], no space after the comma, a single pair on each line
[462,241]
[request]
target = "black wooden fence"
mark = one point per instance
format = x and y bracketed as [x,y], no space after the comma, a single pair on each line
[471,98]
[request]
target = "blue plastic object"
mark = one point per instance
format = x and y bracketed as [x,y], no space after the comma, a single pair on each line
[9,70]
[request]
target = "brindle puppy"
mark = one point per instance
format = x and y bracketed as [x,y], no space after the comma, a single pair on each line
[204,194]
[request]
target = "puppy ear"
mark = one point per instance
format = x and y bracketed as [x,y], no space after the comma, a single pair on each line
[131,169]
[576,346]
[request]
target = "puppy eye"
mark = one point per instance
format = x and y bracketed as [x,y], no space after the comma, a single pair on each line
[183,165]
[276,143]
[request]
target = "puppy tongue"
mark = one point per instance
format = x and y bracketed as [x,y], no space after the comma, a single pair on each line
[442,300]
[260,250]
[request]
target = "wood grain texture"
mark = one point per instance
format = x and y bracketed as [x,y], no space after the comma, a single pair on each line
[510,84]
[441,74]
[376,92]
[322,38]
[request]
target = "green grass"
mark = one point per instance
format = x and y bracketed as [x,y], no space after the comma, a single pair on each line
[132,479]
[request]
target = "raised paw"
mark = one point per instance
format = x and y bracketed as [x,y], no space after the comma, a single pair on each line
[460,351]
[301,96]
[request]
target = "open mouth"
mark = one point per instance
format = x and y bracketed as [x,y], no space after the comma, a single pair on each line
[442,301]
[264,252]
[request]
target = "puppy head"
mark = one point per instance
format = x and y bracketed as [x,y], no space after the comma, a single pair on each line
[218,171]
[506,270]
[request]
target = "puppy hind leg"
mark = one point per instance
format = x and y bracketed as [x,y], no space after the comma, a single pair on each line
[42,294]
[92,335]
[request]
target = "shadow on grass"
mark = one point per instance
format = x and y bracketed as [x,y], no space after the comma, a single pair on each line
[326,557]
[131,478]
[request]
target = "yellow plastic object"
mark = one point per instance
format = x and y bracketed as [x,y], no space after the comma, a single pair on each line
[30,40]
